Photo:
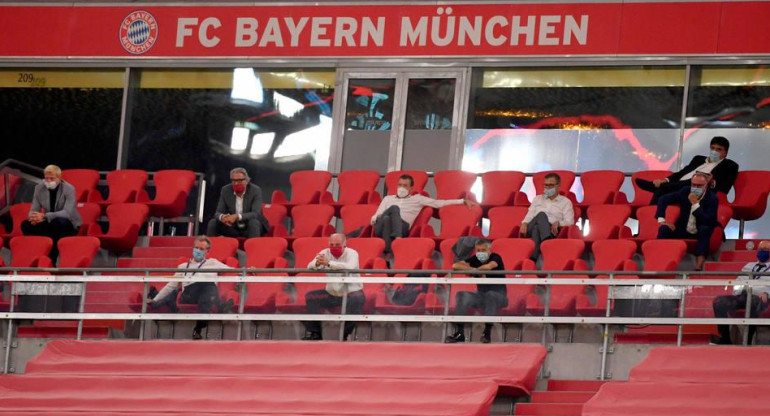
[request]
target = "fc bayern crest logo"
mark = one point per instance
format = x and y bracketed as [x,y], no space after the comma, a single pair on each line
[138,32]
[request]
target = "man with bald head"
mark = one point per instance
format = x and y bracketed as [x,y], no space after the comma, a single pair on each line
[335,257]
[723,305]
[697,216]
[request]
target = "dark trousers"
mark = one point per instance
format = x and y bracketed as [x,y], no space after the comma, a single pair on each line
[703,236]
[318,300]
[489,301]
[390,226]
[251,228]
[725,304]
[665,188]
[205,294]
[55,229]
[539,229]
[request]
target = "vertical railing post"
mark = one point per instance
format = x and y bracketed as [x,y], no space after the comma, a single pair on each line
[145,291]
[680,327]
[343,308]
[82,305]
[242,304]
[9,335]
[606,332]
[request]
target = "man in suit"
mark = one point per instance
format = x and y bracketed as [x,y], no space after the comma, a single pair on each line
[54,211]
[723,172]
[697,216]
[239,211]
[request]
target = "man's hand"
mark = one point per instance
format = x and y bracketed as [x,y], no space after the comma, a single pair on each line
[321,260]
[555,228]
[150,301]
[374,220]
[658,182]
[693,198]
[36,218]
[469,202]
[229,219]
[523,229]
[763,297]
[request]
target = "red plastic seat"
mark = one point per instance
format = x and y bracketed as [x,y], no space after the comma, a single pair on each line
[89,214]
[456,221]
[369,257]
[171,190]
[19,213]
[408,253]
[311,221]
[124,186]
[751,190]
[307,187]
[609,255]
[606,222]
[501,187]
[84,181]
[663,255]
[567,180]
[600,187]
[391,180]
[275,215]
[305,249]
[648,223]
[14,181]
[454,184]
[125,221]
[641,198]
[559,254]
[264,253]
[30,251]
[77,252]
[356,187]
[223,248]
[505,222]
[358,216]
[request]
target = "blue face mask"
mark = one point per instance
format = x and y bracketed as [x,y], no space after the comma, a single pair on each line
[763,256]
[697,191]
[549,192]
[713,156]
[483,256]
[198,254]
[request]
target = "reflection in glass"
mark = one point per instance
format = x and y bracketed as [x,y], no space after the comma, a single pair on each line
[370,104]
[430,103]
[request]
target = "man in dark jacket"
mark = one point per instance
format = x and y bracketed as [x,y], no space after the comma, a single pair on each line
[239,211]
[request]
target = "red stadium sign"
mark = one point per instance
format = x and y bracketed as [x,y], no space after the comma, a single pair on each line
[386,30]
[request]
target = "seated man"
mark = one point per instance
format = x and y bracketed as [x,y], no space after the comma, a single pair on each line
[547,214]
[725,304]
[724,171]
[54,209]
[239,211]
[490,298]
[336,257]
[697,215]
[205,294]
[397,213]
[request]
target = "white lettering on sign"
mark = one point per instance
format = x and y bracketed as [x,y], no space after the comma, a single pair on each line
[183,29]
[203,32]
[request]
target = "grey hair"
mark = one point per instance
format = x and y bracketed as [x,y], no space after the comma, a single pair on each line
[483,241]
[53,169]
[205,240]
[239,170]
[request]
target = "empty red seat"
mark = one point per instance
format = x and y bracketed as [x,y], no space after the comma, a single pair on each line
[84,181]
[123,185]
[264,253]
[305,249]
[456,221]
[408,253]
[515,253]
[77,252]
[171,190]
[356,187]
[663,255]
[30,251]
[89,214]
[751,190]
[19,213]
[641,197]
[505,222]
[609,255]
[275,215]
[648,223]
[454,184]
[369,252]
[501,187]
[311,221]
[125,221]
[307,187]
[391,180]
[600,187]
[356,217]
[605,222]
[223,248]
[559,254]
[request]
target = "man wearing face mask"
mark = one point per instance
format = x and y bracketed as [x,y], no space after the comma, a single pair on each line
[204,294]
[697,216]
[396,213]
[336,257]
[489,298]
[723,171]
[723,305]
[239,211]
[547,214]
[54,211]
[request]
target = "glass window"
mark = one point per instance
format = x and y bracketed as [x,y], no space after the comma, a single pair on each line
[270,122]
[66,117]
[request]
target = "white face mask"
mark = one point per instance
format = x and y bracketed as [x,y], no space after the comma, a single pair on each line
[402,192]
[50,185]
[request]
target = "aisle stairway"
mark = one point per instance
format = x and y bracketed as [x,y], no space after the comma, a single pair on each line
[561,398]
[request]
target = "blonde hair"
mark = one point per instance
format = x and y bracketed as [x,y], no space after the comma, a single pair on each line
[52,169]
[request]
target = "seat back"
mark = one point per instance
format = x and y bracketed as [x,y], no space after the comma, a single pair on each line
[609,255]
[89,214]
[458,220]
[606,221]
[648,222]
[600,186]
[171,190]
[453,184]
[447,253]
[560,254]
[567,179]
[500,187]
[262,251]
[125,185]
[84,181]
[123,217]
[724,214]
[306,248]
[514,251]
[642,197]
[307,186]
[356,186]
[504,222]
[356,216]
[310,219]
[19,213]
[426,213]
[77,251]
[663,255]
[275,214]
[391,180]
[408,253]
[368,249]
[751,191]
[223,247]
[25,249]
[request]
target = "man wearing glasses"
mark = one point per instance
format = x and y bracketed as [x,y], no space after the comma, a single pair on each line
[239,211]
[547,214]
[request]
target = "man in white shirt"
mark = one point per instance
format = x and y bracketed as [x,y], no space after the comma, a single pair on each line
[547,214]
[205,294]
[725,304]
[336,257]
[396,213]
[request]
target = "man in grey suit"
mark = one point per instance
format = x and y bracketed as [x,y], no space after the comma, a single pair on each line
[54,209]
[239,211]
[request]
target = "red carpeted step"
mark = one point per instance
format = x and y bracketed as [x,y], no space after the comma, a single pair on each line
[574,385]
[161,252]
[548,409]
[738,256]
[172,241]
[661,338]
[61,329]
[560,396]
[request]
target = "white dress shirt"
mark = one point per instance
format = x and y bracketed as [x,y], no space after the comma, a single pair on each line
[754,266]
[557,209]
[348,260]
[410,206]
[192,271]
[705,168]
